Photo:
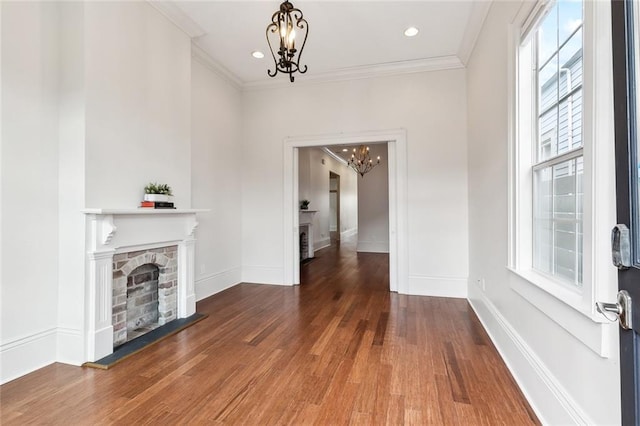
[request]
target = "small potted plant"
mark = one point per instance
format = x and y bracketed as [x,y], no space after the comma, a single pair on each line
[158,192]
[304,204]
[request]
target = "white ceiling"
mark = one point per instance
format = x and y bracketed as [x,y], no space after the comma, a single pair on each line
[346,39]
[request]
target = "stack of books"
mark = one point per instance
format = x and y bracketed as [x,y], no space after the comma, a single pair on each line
[157,205]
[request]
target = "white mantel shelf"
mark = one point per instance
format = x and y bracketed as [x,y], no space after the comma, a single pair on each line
[143,210]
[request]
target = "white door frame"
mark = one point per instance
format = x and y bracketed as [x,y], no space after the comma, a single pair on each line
[397,164]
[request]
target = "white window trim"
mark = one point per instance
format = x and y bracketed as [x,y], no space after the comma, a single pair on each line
[570,307]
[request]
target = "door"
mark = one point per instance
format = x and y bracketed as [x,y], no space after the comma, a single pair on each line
[625,24]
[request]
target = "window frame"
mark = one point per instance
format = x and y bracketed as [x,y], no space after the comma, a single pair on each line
[570,306]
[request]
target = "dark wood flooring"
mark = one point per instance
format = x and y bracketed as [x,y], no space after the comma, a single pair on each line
[339,349]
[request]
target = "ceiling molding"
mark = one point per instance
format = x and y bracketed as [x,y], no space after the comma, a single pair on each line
[479,12]
[203,57]
[178,17]
[369,71]
[335,156]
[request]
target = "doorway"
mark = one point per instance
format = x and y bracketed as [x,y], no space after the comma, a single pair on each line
[397,174]
[334,208]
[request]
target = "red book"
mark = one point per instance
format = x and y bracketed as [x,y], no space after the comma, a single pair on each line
[147,204]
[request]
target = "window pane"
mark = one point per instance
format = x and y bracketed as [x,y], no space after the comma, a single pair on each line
[548,35]
[559,80]
[548,131]
[542,220]
[558,194]
[575,110]
[569,18]
[570,60]
[548,84]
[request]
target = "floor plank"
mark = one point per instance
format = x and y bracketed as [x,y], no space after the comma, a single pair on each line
[339,349]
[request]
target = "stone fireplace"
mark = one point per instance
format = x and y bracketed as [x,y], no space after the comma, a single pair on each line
[140,273]
[144,292]
[305,234]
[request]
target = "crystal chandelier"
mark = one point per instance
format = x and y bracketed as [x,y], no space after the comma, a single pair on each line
[283,30]
[360,160]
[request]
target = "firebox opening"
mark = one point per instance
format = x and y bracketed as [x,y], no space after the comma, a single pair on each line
[145,287]
[142,300]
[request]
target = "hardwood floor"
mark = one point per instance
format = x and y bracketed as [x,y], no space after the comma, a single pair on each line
[339,349]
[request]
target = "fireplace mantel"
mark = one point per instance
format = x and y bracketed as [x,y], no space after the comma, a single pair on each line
[112,231]
[142,210]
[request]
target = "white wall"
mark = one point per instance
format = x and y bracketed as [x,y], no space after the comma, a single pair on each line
[313,185]
[138,104]
[96,103]
[29,167]
[348,201]
[431,106]
[565,381]
[215,179]
[71,182]
[373,204]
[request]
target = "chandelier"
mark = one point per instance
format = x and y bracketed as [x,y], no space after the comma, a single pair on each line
[283,30]
[360,160]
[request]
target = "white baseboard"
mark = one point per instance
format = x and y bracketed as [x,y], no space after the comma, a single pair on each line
[320,244]
[262,275]
[70,347]
[215,283]
[546,395]
[24,355]
[437,286]
[349,233]
[373,247]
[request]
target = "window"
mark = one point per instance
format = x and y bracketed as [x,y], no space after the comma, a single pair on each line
[558,190]
[562,170]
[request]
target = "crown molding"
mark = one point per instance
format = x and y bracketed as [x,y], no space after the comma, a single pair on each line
[205,59]
[335,156]
[367,71]
[180,19]
[479,12]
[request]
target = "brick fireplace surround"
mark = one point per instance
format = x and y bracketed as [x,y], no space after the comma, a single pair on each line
[144,291]
[119,241]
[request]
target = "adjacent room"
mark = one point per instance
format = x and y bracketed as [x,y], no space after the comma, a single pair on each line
[311,212]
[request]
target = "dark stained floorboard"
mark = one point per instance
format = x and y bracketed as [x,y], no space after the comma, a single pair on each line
[339,349]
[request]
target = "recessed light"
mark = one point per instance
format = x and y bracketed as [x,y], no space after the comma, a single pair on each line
[411,31]
[345,150]
[257,54]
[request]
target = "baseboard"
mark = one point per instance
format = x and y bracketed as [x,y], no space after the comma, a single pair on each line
[546,395]
[24,355]
[215,283]
[373,247]
[348,233]
[437,286]
[320,244]
[262,275]
[70,348]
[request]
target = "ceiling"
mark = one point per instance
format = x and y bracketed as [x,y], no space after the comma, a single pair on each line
[346,39]
[377,148]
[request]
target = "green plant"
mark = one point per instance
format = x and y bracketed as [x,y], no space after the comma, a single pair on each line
[155,188]
[304,204]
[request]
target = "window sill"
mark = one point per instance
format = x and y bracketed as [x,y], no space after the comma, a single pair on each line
[564,306]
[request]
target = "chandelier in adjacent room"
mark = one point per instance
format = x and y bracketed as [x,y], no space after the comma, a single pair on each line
[361,161]
[282,30]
